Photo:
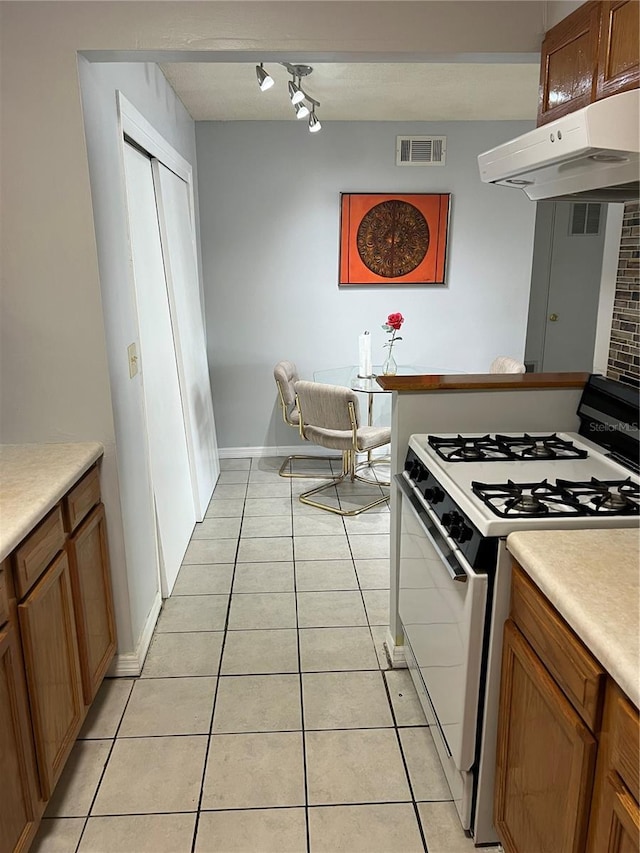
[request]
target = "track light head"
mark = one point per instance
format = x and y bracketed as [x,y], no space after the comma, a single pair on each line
[302,110]
[265,81]
[314,122]
[295,93]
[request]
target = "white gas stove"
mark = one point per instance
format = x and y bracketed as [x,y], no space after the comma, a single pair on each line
[461,496]
[508,482]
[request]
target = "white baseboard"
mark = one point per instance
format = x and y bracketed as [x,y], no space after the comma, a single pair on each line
[395,653]
[257,452]
[290,450]
[130,664]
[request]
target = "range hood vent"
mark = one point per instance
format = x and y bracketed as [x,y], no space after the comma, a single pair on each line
[421,150]
[592,154]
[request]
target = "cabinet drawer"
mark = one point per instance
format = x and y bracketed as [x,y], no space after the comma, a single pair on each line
[4,599]
[81,499]
[625,752]
[37,551]
[576,672]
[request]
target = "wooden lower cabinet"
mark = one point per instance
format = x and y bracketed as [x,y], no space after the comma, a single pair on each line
[90,579]
[50,648]
[57,640]
[568,750]
[20,802]
[545,761]
[615,819]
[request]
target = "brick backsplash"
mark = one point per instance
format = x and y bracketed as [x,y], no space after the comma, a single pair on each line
[624,347]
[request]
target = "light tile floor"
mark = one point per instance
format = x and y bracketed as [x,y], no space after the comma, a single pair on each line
[266,719]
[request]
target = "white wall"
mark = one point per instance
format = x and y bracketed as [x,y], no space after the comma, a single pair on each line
[557,10]
[270,210]
[145,87]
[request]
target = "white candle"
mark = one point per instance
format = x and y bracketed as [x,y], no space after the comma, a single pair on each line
[364,354]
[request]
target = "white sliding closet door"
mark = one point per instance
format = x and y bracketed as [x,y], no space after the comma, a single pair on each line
[176,227]
[168,455]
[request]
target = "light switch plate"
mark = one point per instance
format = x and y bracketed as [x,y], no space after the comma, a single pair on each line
[132,354]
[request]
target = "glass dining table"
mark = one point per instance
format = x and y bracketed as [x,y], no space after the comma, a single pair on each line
[348,377]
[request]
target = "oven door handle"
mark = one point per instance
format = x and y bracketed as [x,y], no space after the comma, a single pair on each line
[453,567]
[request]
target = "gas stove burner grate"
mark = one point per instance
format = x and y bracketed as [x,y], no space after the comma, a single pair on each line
[468,448]
[605,497]
[527,500]
[500,448]
[542,447]
[564,498]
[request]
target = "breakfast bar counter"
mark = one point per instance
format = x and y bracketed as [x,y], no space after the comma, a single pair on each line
[481,381]
[592,578]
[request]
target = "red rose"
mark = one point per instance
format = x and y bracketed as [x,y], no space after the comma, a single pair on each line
[395,321]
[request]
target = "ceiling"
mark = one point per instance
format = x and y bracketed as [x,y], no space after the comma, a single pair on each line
[469,90]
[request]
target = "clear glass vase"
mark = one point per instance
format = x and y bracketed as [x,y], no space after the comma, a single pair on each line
[389,368]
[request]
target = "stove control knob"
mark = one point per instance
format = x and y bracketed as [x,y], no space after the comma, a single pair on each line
[417,472]
[434,495]
[464,533]
[450,519]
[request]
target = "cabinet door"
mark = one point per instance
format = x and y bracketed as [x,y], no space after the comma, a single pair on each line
[619,53]
[545,760]
[19,802]
[91,584]
[47,625]
[568,69]
[618,829]
[615,816]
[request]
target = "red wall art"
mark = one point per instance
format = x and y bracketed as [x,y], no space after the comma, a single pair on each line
[393,239]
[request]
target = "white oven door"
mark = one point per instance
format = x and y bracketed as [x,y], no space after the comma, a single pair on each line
[442,606]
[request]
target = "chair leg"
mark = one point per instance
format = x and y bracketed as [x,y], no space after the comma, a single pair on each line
[306,475]
[348,471]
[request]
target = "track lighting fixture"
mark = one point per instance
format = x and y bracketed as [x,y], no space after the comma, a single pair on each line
[303,104]
[265,81]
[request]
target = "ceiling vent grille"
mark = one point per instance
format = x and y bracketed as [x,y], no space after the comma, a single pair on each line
[421,150]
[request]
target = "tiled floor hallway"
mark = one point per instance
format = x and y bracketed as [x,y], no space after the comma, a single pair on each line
[266,719]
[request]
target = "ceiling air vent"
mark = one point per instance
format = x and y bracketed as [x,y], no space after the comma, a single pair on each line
[421,150]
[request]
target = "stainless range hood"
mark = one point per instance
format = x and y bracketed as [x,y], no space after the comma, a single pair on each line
[592,154]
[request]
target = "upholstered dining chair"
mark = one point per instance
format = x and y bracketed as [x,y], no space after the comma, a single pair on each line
[286,375]
[505,364]
[330,417]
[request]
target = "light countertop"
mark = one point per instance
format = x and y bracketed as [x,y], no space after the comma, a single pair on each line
[33,478]
[592,577]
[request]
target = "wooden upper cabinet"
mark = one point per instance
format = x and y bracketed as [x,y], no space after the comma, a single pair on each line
[592,53]
[568,64]
[619,53]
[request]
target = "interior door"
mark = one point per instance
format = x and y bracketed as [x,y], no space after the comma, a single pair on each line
[167,443]
[183,287]
[565,285]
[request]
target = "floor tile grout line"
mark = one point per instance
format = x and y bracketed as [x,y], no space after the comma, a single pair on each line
[301,688]
[106,763]
[396,729]
[218,677]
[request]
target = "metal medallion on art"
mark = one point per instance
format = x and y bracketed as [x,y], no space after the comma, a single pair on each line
[393,238]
